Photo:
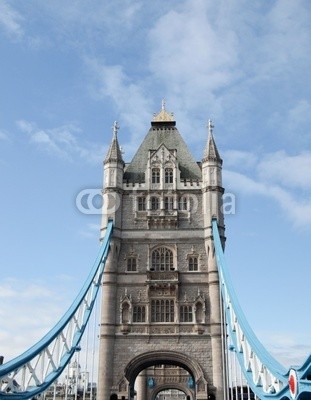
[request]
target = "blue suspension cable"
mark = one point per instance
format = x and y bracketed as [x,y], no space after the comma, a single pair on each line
[74,320]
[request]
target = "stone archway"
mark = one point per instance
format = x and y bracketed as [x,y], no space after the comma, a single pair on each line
[187,392]
[148,359]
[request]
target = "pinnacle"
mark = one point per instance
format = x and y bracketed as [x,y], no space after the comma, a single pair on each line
[211,152]
[114,152]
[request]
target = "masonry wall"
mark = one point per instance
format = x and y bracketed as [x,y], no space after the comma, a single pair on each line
[186,234]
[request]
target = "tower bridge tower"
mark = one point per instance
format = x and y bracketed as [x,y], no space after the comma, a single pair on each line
[161,325]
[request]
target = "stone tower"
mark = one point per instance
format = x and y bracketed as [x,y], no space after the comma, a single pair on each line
[161,324]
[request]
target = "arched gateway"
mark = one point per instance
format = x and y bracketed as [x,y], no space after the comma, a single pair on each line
[161,324]
[171,358]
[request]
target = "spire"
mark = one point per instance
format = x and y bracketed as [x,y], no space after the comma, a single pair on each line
[211,152]
[115,129]
[114,152]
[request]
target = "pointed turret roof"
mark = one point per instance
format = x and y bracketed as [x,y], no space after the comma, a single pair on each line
[211,152]
[163,131]
[114,153]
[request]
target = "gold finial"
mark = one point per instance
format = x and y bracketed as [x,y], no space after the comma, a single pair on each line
[115,129]
[163,115]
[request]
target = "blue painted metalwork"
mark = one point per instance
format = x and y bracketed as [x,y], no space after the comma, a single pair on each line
[267,377]
[56,348]
[23,377]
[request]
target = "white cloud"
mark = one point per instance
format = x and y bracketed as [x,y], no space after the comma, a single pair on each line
[91,231]
[292,124]
[297,123]
[44,140]
[30,309]
[296,208]
[288,33]
[237,181]
[7,291]
[10,20]
[191,55]
[100,23]
[25,126]
[187,55]
[99,13]
[240,159]
[282,177]
[299,114]
[289,171]
[128,97]
[207,58]
[11,288]
[62,142]
[298,211]
[287,348]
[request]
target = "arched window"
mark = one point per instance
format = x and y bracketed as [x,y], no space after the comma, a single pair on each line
[132,264]
[168,173]
[193,263]
[155,175]
[141,203]
[186,313]
[183,203]
[162,310]
[162,259]
[139,314]
[155,203]
[168,203]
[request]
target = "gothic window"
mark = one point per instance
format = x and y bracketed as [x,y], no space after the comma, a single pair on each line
[141,204]
[162,259]
[155,203]
[132,264]
[162,310]
[193,263]
[183,203]
[168,203]
[155,175]
[186,313]
[139,314]
[168,173]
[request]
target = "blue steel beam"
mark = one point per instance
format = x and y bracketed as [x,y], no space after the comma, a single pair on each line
[55,349]
[266,376]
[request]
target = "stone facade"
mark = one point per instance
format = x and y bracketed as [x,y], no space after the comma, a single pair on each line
[160,298]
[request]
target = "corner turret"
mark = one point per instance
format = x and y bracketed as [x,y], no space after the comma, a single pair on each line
[113,180]
[212,181]
[212,192]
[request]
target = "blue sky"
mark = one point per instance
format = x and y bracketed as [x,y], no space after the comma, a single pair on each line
[69,69]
